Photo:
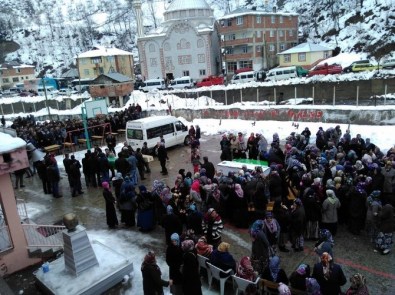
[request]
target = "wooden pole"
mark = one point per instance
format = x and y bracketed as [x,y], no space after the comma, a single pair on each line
[357,95]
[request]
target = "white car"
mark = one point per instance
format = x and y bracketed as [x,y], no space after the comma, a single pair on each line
[389,63]
[66,91]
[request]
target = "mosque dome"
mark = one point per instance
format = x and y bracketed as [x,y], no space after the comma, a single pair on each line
[187,4]
[188,9]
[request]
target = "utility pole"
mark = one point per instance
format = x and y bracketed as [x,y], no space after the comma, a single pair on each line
[46,98]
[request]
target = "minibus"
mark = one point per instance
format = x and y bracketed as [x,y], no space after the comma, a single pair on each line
[243,77]
[151,84]
[182,83]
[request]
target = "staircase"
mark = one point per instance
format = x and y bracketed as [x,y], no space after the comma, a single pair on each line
[44,241]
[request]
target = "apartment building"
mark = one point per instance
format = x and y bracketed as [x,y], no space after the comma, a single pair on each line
[252,39]
[13,73]
[105,60]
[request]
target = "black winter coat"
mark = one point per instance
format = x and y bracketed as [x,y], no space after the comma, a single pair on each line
[330,286]
[191,283]
[152,281]
[174,259]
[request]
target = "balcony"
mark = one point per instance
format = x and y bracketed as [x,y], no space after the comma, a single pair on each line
[242,41]
[237,56]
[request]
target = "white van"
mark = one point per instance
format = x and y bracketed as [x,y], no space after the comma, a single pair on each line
[281,74]
[182,83]
[150,129]
[243,77]
[51,91]
[151,84]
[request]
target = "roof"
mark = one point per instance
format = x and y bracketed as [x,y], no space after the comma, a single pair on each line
[9,143]
[305,47]
[72,73]
[245,11]
[103,51]
[15,65]
[187,4]
[117,77]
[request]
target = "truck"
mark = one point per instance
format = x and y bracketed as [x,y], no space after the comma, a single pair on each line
[210,81]
[325,69]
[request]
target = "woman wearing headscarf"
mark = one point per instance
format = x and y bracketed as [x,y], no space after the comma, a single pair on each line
[145,209]
[358,285]
[298,222]
[174,260]
[373,206]
[274,273]
[384,239]
[329,275]
[260,246]
[172,224]
[312,287]
[203,248]
[272,230]
[329,212]
[191,283]
[111,214]
[127,203]
[152,282]
[357,207]
[159,208]
[239,207]
[222,259]
[325,243]
[298,278]
[245,270]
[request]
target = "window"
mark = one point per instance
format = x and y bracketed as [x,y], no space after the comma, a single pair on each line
[302,56]
[244,49]
[327,54]
[231,37]
[287,58]
[202,72]
[282,46]
[179,126]
[110,58]
[239,20]
[167,47]
[272,47]
[231,66]
[183,14]
[258,19]
[291,33]
[245,64]
[258,48]
[18,70]
[273,19]
[258,34]
[281,19]
[96,60]
[5,80]
[151,48]
[229,50]
[281,33]
[83,61]
[200,43]
[244,35]
[5,242]
[184,59]
[86,72]
[135,134]
[228,23]
[201,58]
[15,79]
[160,130]
[271,33]
[192,13]
[153,62]
[185,73]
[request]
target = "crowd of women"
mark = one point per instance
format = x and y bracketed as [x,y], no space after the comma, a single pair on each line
[314,187]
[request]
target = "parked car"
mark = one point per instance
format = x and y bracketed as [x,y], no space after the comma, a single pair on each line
[348,68]
[67,91]
[210,81]
[26,94]
[325,69]
[389,63]
[364,67]
[182,83]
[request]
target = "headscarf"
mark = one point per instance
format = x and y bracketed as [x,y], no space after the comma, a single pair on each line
[245,269]
[331,196]
[117,176]
[187,245]
[283,289]
[223,247]
[302,269]
[312,287]
[274,267]
[166,195]
[175,237]
[326,236]
[203,248]
[358,281]
[271,224]
[142,188]
[169,210]
[256,227]
[374,197]
[150,259]
[105,185]
[239,190]
[157,187]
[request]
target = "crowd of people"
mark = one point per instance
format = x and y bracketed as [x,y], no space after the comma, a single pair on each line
[313,187]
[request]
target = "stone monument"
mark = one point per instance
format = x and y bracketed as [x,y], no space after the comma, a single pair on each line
[78,252]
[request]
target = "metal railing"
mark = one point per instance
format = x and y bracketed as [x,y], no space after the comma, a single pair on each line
[43,235]
[5,239]
[22,211]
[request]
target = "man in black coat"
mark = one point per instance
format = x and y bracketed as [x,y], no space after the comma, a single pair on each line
[210,169]
[162,156]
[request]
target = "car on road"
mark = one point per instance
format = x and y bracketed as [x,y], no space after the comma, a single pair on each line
[364,67]
[210,81]
[348,68]
[389,63]
[325,69]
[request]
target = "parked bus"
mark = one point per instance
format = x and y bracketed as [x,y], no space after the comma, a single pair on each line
[81,85]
